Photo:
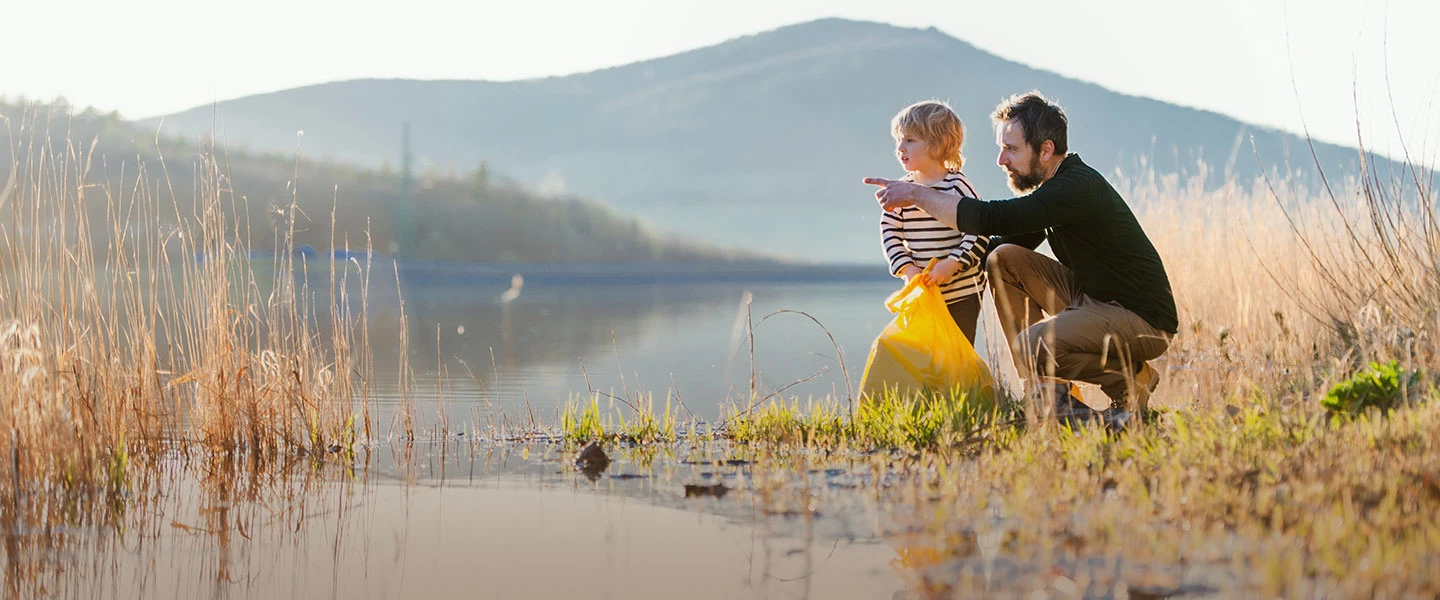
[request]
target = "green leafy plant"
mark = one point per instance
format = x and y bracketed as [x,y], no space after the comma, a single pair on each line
[1380,386]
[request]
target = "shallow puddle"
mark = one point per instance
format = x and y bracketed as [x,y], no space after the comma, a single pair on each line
[531,530]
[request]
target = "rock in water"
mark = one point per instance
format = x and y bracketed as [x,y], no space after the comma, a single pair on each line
[592,460]
[695,490]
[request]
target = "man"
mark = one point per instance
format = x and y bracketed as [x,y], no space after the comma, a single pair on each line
[1101,311]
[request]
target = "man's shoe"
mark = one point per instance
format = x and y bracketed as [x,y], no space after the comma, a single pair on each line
[1067,401]
[1070,410]
[1115,420]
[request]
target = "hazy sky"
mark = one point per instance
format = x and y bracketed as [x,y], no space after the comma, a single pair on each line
[150,57]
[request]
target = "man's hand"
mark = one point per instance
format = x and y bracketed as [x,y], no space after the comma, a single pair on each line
[908,271]
[895,194]
[943,272]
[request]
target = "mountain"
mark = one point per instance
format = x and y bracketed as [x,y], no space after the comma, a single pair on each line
[758,142]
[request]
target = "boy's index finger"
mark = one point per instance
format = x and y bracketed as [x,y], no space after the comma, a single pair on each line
[880,181]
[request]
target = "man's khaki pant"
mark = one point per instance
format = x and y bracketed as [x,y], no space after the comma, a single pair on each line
[1056,332]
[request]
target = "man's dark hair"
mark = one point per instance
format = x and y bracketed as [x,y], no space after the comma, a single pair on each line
[1040,118]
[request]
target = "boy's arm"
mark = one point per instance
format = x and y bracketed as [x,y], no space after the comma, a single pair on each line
[892,240]
[970,252]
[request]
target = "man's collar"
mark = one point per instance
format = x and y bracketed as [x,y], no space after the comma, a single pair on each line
[1071,160]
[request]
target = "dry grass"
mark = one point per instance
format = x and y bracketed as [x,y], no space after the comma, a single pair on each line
[1284,291]
[147,348]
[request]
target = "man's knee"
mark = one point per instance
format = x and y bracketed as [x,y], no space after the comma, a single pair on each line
[1005,256]
[1003,263]
[1054,350]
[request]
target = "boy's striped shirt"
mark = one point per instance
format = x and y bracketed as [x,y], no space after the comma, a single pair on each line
[913,237]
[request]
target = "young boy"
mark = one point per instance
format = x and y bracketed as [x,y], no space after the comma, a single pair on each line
[928,136]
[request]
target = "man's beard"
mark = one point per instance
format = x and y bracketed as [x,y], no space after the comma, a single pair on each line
[1022,184]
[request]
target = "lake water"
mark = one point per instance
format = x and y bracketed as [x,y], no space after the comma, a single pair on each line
[678,335]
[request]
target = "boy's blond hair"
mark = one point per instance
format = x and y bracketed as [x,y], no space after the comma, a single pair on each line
[934,122]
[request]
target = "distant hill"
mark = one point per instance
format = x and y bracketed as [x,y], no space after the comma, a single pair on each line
[760,141]
[477,216]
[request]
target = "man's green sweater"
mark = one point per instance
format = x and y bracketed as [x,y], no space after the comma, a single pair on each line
[1091,231]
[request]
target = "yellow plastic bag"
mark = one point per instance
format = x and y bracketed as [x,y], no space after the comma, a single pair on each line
[922,349]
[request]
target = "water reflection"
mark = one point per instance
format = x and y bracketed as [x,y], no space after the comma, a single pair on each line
[486,340]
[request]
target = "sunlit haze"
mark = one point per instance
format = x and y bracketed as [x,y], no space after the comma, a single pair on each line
[1262,61]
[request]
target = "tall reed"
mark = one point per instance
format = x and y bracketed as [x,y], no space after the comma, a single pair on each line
[135,321]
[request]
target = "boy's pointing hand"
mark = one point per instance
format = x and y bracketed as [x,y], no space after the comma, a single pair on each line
[893,194]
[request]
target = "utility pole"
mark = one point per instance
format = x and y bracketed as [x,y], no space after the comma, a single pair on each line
[406,160]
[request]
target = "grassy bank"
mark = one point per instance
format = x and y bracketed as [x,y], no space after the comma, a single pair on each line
[1258,497]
